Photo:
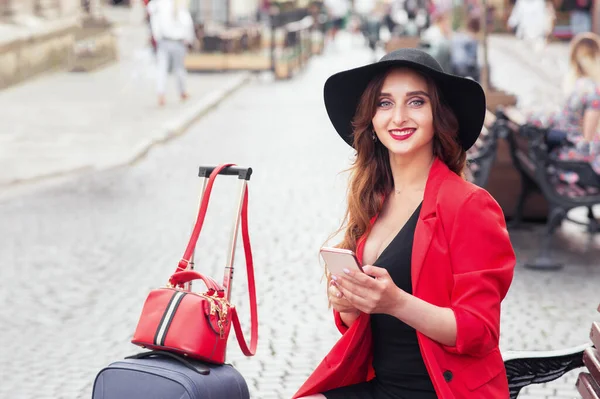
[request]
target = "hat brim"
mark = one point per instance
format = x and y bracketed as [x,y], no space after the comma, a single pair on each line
[342,93]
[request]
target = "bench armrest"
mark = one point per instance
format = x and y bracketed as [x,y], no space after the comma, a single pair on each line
[524,368]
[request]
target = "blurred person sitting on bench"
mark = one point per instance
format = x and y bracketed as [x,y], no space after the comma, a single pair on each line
[573,130]
[173,30]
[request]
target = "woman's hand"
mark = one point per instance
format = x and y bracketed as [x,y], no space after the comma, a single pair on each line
[337,300]
[370,292]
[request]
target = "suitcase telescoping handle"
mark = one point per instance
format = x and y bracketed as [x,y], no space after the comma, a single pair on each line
[208,175]
[204,173]
[242,173]
[241,215]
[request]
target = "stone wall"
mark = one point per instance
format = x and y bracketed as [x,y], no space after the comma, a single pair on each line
[40,35]
[34,53]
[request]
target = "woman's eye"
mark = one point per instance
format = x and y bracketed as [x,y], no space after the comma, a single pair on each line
[384,103]
[416,102]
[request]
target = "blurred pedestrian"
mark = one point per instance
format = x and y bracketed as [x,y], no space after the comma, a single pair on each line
[437,258]
[338,11]
[464,49]
[436,38]
[532,21]
[372,19]
[173,29]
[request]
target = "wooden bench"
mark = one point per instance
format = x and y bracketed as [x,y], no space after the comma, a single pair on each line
[588,382]
[525,368]
[531,156]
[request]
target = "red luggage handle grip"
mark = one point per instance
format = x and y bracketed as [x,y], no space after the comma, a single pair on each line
[183,277]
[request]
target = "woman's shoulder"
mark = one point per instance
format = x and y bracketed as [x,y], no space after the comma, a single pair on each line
[456,192]
[456,186]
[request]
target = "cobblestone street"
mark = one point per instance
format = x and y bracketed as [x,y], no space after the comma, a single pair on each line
[79,257]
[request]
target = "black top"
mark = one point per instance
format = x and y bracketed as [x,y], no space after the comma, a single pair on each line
[400,372]
[397,360]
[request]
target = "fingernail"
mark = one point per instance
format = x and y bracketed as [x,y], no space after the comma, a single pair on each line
[346,271]
[334,278]
[338,295]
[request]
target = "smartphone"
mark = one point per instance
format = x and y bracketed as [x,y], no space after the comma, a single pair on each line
[337,259]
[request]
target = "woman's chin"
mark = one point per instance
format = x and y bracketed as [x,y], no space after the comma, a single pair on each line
[406,148]
[400,149]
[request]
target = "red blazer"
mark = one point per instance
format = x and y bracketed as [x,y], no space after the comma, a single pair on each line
[462,259]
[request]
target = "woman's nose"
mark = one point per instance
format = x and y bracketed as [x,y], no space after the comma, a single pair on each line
[399,115]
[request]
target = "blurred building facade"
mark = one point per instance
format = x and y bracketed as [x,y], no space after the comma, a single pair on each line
[40,35]
[223,11]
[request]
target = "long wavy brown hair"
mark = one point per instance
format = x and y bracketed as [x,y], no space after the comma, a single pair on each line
[371,175]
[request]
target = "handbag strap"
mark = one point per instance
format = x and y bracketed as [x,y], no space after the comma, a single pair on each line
[183,263]
[251,350]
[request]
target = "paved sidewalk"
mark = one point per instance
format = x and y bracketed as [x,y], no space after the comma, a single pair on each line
[68,122]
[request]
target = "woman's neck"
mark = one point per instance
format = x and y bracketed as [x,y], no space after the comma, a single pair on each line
[410,173]
[591,68]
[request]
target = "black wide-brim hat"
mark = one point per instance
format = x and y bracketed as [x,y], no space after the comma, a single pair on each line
[464,96]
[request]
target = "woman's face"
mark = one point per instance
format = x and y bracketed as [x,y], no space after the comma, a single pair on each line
[588,61]
[403,119]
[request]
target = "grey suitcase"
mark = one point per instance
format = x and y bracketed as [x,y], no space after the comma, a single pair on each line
[164,375]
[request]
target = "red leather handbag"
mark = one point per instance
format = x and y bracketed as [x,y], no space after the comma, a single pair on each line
[194,324]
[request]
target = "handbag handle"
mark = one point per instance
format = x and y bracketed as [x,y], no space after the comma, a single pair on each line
[248,350]
[185,276]
[200,368]
[185,260]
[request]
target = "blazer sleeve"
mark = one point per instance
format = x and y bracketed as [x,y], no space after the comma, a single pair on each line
[483,262]
[338,322]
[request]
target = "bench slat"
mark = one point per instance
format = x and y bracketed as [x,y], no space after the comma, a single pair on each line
[587,388]
[591,359]
[595,334]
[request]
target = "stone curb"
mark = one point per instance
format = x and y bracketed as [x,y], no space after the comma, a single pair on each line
[179,125]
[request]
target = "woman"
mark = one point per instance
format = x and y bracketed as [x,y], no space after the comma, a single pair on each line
[427,324]
[578,120]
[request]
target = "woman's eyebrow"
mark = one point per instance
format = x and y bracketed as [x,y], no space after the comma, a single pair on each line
[409,94]
[417,93]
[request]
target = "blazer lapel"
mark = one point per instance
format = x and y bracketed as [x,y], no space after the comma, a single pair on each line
[427,219]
